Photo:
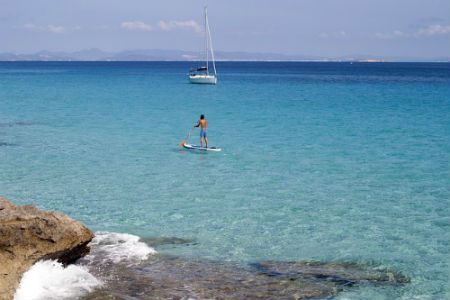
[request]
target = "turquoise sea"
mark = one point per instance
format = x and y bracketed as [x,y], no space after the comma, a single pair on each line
[331,162]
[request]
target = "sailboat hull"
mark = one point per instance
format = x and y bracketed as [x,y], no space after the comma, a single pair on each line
[203,79]
[202,75]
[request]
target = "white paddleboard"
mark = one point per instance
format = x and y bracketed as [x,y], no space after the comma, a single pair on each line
[197,147]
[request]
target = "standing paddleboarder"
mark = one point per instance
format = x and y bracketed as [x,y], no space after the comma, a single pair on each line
[203,133]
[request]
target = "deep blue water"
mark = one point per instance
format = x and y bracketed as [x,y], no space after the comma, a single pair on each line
[320,161]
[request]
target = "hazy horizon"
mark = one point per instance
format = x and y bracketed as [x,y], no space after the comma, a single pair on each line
[324,28]
[95,54]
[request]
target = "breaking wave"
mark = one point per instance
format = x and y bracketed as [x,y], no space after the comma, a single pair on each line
[50,280]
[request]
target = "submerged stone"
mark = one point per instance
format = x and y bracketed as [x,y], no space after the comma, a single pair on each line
[167,277]
[154,242]
[347,273]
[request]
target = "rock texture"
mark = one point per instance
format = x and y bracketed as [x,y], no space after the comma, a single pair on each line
[28,234]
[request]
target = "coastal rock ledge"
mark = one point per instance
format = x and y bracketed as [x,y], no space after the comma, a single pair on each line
[28,234]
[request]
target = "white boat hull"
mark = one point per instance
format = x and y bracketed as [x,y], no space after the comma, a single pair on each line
[204,79]
[197,147]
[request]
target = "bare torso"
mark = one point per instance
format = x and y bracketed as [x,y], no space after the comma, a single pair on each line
[202,123]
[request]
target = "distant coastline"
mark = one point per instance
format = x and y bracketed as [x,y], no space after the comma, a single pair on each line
[180,55]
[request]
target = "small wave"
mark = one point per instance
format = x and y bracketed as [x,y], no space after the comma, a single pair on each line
[50,280]
[118,247]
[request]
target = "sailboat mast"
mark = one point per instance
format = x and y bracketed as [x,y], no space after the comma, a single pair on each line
[206,40]
[210,45]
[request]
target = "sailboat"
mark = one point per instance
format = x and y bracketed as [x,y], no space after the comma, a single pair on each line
[202,74]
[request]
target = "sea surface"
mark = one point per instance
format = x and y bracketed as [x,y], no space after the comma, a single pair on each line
[320,162]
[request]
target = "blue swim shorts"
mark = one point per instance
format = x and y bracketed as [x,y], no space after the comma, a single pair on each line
[203,133]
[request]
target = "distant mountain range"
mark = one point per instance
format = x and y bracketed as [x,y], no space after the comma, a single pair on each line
[179,55]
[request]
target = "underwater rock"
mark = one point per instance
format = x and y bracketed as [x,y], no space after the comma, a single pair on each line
[168,277]
[343,273]
[166,241]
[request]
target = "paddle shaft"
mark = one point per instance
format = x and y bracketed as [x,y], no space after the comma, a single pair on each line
[181,144]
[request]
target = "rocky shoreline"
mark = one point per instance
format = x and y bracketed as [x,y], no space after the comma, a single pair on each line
[169,277]
[28,235]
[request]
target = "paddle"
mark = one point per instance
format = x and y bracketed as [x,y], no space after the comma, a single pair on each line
[182,143]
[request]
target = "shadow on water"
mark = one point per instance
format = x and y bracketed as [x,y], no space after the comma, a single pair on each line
[193,152]
[19,123]
[6,144]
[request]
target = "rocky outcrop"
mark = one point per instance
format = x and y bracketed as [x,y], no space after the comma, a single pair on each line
[28,234]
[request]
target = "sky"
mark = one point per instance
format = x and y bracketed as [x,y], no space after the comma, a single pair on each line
[331,28]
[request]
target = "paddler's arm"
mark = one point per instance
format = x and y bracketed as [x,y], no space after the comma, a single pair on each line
[198,124]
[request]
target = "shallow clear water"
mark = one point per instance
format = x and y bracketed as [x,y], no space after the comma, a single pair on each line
[320,161]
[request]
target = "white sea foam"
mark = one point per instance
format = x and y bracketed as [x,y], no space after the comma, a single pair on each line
[118,247]
[50,280]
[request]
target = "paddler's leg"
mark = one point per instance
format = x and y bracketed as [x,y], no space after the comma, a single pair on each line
[201,137]
[206,141]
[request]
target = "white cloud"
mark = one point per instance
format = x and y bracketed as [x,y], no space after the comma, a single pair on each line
[58,29]
[431,30]
[162,25]
[341,34]
[435,29]
[336,35]
[136,25]
[390,35]
[28,26]
[171,25]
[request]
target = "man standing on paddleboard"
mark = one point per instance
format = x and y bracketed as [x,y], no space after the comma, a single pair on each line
[202,123]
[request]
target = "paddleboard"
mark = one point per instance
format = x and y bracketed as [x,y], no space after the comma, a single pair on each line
[197,147]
